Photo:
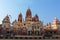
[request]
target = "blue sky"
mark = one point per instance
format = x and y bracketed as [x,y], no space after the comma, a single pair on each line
[46,9]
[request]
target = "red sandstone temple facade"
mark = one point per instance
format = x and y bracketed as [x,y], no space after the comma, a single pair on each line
[31,26]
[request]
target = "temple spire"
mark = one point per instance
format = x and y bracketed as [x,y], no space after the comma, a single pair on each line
[20,17]
[36,18]
[28,13]
[55,20]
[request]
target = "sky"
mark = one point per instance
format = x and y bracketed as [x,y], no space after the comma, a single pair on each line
[46,9]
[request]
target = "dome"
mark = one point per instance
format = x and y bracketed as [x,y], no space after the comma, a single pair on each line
[6,19]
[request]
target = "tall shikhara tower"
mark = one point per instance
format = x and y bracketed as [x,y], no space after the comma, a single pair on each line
[20,18]
[28,15]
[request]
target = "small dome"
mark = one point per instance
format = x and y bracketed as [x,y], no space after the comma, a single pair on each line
[6,19]
[55,20]
[36,18]
[48,23]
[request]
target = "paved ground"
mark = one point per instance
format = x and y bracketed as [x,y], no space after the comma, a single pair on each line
[29,39]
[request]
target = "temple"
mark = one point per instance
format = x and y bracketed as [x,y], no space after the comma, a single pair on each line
[31,26]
